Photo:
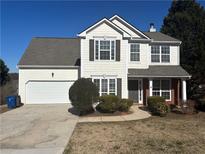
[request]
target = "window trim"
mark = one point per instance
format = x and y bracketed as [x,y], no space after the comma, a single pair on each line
[160,54]
[110,40]
[160,89]
[108,84]
[137,61]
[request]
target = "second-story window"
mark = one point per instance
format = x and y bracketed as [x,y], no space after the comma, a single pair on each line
[155,54]
[160,54]
[165,54]
[134,52]
[104,50]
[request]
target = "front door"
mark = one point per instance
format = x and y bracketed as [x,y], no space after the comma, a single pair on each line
[135,90]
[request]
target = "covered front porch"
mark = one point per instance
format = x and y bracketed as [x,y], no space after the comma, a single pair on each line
[165,81]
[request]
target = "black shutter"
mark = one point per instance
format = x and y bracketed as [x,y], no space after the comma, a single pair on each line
[119,87]
[91,50]
[117,50]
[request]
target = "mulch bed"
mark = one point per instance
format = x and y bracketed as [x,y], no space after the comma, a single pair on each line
[117,113]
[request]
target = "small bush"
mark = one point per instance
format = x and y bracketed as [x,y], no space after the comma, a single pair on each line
[83,93]
[157,105]
[125,104]
[108,104]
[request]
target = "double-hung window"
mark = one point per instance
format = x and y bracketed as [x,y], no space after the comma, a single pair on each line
[104,49]
[162,88]
[160,54]
[165,54]
[134,52]
[155,54]
[106,86]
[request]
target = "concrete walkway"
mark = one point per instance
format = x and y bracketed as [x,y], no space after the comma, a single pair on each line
[135,115]
[36,129]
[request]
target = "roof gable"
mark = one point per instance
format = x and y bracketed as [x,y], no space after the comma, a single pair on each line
[109,23]
[129,26]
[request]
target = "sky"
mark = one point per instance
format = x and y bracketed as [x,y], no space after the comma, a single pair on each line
[22,20]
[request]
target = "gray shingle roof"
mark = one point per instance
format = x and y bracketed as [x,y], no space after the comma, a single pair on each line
[157,36]
[159,71]
[52,51]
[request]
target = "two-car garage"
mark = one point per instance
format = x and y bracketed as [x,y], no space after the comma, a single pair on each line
[46,86]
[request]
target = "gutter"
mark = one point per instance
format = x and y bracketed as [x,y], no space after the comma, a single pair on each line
[158,76]
[166,41]
[46,66]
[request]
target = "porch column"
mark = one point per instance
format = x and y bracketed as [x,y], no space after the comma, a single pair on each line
[150,87]
[178,92]
[184,96]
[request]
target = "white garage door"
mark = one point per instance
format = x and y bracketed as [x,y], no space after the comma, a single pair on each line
[47,92]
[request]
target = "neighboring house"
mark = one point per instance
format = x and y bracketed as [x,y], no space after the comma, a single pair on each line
[120,59]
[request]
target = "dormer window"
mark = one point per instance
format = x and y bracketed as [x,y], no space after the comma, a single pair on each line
[104,49]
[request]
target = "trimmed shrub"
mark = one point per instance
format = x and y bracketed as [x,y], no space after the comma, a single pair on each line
[157,105]
[83,93]
[108,104]
[125,104]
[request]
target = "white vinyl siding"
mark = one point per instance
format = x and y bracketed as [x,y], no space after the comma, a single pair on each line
[106,86]
[160,54]
[105,49]
[162,88]
[134,52]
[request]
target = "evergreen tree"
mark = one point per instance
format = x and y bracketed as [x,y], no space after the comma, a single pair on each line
[186,22]
[4,73]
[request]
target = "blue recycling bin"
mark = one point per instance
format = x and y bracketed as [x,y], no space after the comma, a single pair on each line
[11,102]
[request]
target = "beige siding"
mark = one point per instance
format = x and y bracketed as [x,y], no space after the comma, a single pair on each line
[132,33]
[106,68]
[104,30]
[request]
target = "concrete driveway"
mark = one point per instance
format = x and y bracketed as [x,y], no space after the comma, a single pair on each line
[36,129]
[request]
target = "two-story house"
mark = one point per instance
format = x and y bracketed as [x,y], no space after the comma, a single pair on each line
[120,59]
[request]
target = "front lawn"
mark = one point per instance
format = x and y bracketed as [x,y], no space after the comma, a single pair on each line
[171,134]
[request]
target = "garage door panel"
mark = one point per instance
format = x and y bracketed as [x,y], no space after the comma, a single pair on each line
[46,92]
